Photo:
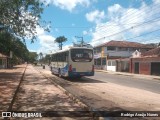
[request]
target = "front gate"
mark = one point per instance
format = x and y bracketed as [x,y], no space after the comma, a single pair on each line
[155,68]
[136,68]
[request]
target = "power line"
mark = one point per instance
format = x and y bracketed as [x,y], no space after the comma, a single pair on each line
[127,29]
[125,24]
[155,40]
[81,27]
[71,27]
[141,24]
[143,34]
[132,19]
[136,26]
[155,8]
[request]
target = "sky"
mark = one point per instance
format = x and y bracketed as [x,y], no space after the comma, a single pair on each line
[97,21]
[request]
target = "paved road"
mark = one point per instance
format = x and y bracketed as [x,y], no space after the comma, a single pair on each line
[130,81]
[137,91]
[101,94]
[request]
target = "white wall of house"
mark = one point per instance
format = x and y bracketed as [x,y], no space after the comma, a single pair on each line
[136,54]
[111,65]
[119,53]
[111,68]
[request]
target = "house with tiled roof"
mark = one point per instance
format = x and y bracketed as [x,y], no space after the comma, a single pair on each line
[154,52]
[148,63]
[106,54]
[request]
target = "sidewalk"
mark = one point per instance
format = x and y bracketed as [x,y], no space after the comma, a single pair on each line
[149,77]
[38,93]
[9,81]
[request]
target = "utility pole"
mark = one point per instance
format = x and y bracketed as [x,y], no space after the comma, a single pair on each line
[82,41]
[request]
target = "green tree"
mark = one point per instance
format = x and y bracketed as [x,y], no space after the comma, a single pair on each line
[60,40]
[32,57]
[40,56]
[5,42]
[19,49]
[47,59]
[21,17]
[9,42]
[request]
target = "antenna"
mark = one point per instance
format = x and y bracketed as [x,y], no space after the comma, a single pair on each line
[81,42]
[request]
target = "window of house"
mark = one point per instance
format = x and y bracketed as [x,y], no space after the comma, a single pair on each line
[111,48]
[103,61]
[98,61]
[132,49]
[109,63]
[123,49]
[113,63]
[98,50]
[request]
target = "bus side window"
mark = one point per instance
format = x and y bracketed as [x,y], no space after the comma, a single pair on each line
[66,56]
[63,57]
[52,58]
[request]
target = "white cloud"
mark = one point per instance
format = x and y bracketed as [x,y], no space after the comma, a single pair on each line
[40,31]
[69,4]
[48,44]
[85,32]
[30,50]
[156,1]
[46,41]
[67,46]
[115,8]
[95,16]
[124,23]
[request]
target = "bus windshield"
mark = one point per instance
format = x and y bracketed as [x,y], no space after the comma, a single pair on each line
[81,55]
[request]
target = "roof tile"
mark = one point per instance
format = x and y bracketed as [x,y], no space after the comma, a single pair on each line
[125,44]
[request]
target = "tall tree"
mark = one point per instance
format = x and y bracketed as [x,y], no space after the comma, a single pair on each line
[60,40]
[40,55]
[9,42]
[33,57]
[21,17]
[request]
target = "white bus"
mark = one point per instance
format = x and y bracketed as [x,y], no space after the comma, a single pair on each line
[73,62]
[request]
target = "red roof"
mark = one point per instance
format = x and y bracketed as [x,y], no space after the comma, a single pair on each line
[152,52]
[125,44]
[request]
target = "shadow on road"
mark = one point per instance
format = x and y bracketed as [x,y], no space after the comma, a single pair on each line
[83,80]
[9,80]
[39,94]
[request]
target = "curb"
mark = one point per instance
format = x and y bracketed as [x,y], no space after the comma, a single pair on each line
[15,93]
[134,75]
[74,98]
